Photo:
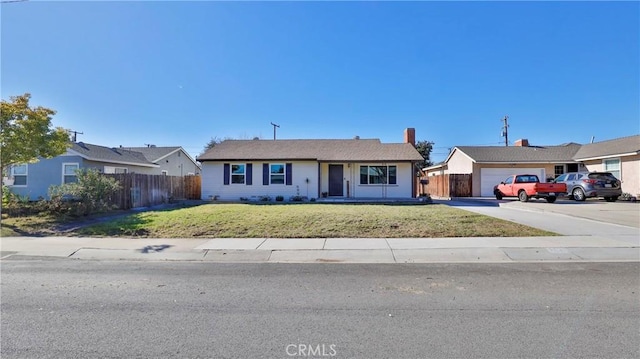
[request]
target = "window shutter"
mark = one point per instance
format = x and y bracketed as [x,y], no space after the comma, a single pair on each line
[287,171]
[227,173]
[249,174]
[265,174]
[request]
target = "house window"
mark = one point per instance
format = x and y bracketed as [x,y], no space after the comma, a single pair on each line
[165,172]
[19,174]
[378,174]
[112,170]
[276,173]
[558,170]
[613,166]
[69,172]
[237,174]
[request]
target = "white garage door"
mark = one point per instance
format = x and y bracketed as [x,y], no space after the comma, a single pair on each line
[490,177]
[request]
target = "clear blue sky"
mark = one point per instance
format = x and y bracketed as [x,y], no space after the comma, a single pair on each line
[180,73]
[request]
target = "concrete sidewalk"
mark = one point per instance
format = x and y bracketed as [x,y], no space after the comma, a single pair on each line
[330,250]
[581,239]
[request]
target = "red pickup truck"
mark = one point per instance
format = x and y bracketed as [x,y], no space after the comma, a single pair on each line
[527,186]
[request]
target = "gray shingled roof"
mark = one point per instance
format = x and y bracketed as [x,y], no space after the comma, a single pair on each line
[153,154]
[321,150]
[614,147]
[517,154]
[113,155]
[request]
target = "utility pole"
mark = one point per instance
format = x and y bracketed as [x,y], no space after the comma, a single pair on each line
[75,134]
[274,130]
[505,130]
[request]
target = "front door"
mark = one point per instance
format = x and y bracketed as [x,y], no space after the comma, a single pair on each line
[335,180]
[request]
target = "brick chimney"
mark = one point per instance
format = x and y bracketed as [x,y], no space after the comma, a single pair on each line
[522,142]
[410,136]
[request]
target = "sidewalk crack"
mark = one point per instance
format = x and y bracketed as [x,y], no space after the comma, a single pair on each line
[74,252]
[391,249]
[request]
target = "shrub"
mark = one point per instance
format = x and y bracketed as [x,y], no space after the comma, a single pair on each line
[15,204]
[90,194]
[279,198]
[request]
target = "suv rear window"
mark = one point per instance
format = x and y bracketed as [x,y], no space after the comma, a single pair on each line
[602,176]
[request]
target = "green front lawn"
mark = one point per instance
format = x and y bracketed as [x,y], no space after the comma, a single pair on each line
[310,221]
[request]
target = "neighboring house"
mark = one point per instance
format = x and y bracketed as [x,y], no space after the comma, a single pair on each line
[489,165]
[34,179]
[173,161]
[354,168]
[620,156]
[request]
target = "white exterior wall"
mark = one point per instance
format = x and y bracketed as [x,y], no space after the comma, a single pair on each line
[459,163]
[353,189]
[213,182]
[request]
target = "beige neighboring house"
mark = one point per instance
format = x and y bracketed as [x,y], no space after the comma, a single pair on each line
[620,156]
[489,165]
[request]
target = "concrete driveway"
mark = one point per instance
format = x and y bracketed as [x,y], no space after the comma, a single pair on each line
[621,212]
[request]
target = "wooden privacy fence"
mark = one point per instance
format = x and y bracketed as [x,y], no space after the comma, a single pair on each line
[447,185]
[141,190]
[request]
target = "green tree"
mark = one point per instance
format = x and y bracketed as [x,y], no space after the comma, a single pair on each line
[26,133]
[424,148]
[211,144]
[215,141]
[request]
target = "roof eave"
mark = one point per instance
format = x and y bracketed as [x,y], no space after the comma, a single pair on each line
[183,151]
[434,167]
[76,153]
[525,162]
[165,155]
[461,151]
[607,156]
[150,165]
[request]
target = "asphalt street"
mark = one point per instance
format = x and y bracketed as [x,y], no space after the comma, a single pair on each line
[122,309]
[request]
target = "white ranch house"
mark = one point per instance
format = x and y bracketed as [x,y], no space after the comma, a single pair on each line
[333,168]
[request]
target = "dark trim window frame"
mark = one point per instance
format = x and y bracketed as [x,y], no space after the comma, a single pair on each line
[558,170]
[378,175]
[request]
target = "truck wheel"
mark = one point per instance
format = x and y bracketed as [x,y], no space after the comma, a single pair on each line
[578,194]
[551,199]
[498,195]
[522,196]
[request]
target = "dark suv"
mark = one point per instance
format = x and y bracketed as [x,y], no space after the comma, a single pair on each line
[581,185]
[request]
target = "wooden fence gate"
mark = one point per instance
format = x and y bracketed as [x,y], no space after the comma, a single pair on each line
[447,185]
[141,190]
